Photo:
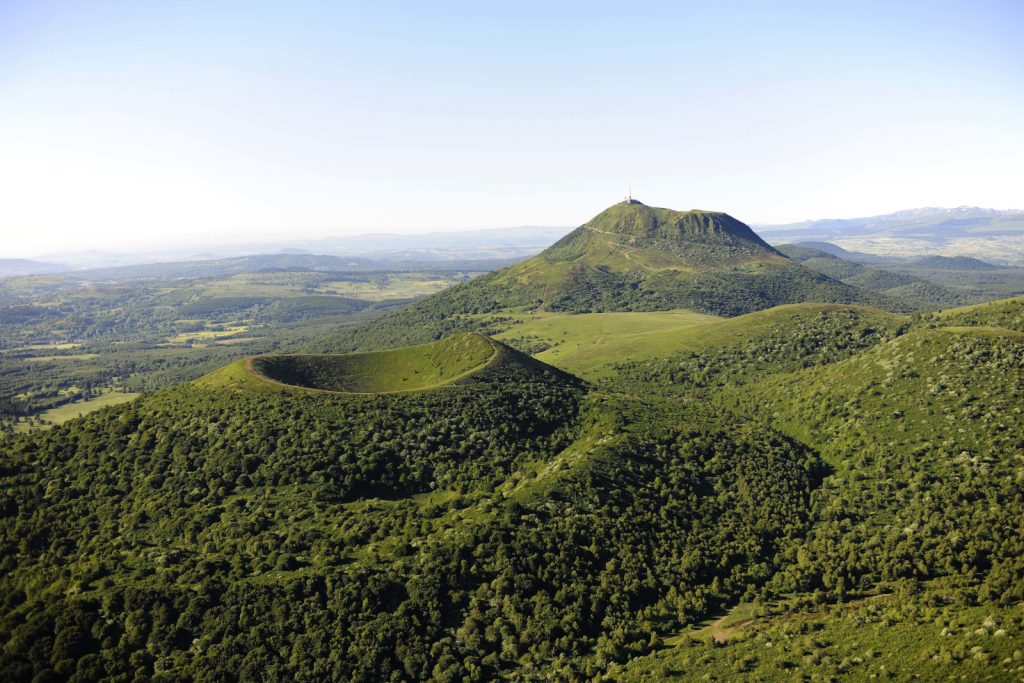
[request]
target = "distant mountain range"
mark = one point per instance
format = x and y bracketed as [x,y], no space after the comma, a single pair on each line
[990,234]
[926,223]
[993,235]
[24,266]
[384,249]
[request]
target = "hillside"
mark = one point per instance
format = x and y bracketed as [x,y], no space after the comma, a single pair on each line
[913,562]
[899,281]
[954,263]
[406,369]
[827,248]
[1008,313]
[496,526]
[630,257]
[609,346]
[736,351]
[837,480]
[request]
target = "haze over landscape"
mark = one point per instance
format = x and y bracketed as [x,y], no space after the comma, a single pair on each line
[331,350]
[162,125]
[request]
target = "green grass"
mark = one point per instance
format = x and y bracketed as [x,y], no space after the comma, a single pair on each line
[46,347]
[72,410]
[745,327]
[590,344]
[395,287]
[584,344]
[72,356]
[69,411]
[411,368]
[207,335]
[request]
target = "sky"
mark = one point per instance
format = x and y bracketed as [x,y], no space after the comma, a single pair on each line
[135,124]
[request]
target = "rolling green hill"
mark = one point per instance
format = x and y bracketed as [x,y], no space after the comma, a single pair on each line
[954,263]
[630,257]
[925,386]
[1008,313]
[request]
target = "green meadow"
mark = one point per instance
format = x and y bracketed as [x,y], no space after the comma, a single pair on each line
[582,344]
[590,345]
[70,411]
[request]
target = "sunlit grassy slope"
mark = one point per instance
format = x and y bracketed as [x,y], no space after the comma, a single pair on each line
[957,389]
[1007,313]
[583,344]
[590,345]
[404,369]
[882,638]
[69,411]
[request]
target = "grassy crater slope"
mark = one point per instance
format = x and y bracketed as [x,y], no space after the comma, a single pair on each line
[630,257]
[457,359]
[404,369]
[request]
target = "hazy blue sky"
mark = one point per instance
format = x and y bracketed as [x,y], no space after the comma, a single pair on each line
[131,122]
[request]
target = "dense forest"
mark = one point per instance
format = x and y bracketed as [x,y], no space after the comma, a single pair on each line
[490,525]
